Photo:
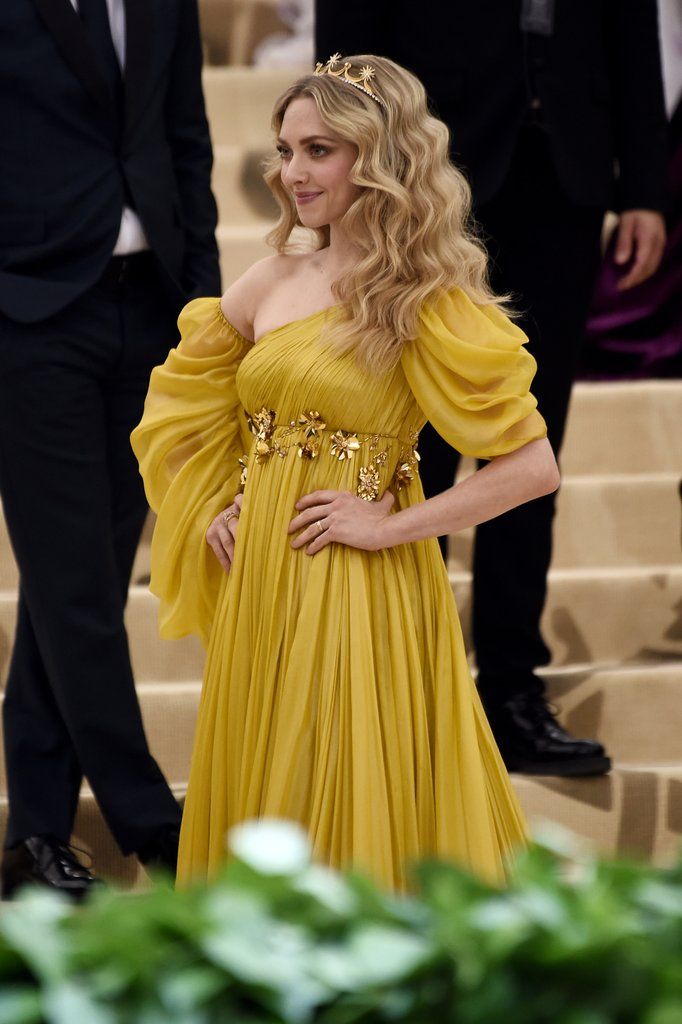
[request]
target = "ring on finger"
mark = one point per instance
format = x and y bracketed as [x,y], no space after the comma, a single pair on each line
[320,527]
[229,514]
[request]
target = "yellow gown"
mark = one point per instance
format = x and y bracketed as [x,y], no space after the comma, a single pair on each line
[336,688]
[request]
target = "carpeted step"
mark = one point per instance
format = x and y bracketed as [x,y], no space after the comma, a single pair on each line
[169,711]
[633,711]
[606,521]
[92,835]
[635,811]
[631,427]
[614,615]
[237,182]
[239,103]
[240,247]
[602,521]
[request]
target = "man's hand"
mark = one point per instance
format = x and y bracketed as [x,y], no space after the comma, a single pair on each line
[641,233]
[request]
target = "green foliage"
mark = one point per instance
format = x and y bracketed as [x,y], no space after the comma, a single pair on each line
[572,939]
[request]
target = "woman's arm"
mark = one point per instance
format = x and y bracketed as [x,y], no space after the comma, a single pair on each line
[507,481]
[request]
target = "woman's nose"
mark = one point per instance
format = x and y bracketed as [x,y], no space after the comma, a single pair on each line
[296,172]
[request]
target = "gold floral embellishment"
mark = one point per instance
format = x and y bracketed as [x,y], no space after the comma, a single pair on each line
[311,422]
[263,422]
[368,486]
[404,475]
[310,448]
[244,463]
[344,444]
[262,448]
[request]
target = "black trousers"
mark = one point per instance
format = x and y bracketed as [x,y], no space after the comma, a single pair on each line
[545,250]
[71,390]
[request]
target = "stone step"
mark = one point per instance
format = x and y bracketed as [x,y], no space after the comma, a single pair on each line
[606,521]
[231,29]
[636,811]
[604,615]
[239,103]
[602,521]
[592,615]
[243,197]
[169,711]
[634,711]
[240,247]
[632,427]
[92,835]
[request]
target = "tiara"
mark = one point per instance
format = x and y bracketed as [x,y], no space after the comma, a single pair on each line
[363,81]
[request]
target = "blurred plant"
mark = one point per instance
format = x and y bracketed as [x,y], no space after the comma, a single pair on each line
[572,939]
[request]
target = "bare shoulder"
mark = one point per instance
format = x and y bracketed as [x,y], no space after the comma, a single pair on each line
[243,298]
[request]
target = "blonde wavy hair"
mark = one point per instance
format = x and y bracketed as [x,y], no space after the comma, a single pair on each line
[411,220]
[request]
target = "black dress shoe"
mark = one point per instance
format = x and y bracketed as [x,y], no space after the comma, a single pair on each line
[46,861]
[531,740]
[161,852]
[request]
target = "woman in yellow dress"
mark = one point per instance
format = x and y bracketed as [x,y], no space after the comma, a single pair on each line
[336,689]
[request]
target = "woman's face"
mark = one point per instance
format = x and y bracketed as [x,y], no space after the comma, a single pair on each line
[315,165]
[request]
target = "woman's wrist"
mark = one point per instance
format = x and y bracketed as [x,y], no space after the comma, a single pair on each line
[402,528]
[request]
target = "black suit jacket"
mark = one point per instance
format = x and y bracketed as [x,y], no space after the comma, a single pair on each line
[68,165]
[599,84]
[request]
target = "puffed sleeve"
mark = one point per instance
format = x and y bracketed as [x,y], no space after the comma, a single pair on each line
[188,445]
[471,374]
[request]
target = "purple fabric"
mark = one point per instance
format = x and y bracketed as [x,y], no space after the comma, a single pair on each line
[638,333]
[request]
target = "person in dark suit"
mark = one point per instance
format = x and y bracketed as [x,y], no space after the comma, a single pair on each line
[107,226]
[556,114]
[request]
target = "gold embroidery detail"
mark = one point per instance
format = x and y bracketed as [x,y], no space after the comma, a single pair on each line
[368,485]
[310,448]
[311,422]
[403,475]
[344,443]
[408,463]
[263,449]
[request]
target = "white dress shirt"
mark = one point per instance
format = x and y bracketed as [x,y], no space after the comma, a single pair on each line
[131,236]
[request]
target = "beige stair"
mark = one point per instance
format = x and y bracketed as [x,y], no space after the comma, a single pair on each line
[624,428]
[239,103]
[242,195]
[231,29]
[626,615]
[636,811]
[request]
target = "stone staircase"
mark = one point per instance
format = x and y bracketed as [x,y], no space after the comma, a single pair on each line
[614,611]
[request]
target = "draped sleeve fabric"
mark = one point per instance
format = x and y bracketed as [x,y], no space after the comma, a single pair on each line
[471,374]
[188,445]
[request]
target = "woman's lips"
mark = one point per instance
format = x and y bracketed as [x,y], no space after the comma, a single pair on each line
[306,197]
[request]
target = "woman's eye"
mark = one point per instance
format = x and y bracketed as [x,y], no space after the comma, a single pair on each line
[318,150]
[283,152]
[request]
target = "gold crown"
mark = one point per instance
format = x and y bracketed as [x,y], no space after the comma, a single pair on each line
[363,81]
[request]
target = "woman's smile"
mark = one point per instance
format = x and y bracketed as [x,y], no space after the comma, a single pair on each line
[306,197]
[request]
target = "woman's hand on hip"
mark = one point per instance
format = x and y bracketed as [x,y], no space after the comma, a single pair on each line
[222,533]
[341,517]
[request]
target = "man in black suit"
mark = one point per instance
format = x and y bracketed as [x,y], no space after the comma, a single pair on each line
[107,226]
[556,114]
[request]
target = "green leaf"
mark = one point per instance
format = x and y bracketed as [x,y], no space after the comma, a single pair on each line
[20,1006]
[69,1003]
